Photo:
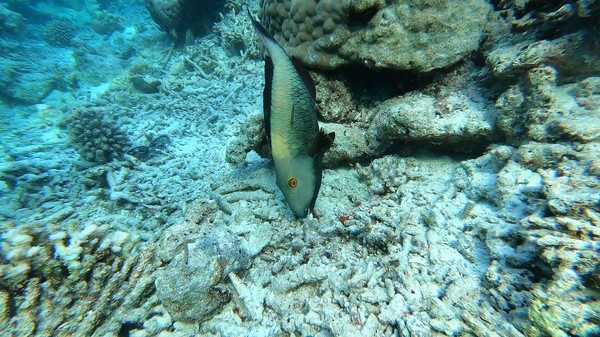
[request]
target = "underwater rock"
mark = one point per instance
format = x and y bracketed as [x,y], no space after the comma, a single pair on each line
[336,102]
[193,285]
[454,123]
[106,23]
[10,22]
[542,155]
[146,86]
[251,137]
[29,72]
[407,35]
[177,16]
[570,247]
[189,286]
[30,87]
[22,83]
[539,109]
[96,136]
[572,55]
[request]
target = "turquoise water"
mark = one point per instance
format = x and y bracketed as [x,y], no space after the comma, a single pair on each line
[460,197]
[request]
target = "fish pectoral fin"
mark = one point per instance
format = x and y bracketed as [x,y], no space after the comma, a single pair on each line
[324,143]
[326,140]
[267,94]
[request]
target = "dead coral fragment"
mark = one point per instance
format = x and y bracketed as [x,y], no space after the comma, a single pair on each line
[84,282]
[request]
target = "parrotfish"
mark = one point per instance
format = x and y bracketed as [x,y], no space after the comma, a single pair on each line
[290,117]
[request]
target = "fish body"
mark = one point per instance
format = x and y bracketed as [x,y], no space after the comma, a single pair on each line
[297,144]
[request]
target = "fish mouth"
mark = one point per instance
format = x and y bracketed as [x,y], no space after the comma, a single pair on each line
[301,213]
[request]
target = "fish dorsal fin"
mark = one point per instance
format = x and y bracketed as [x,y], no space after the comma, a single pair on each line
[267,96]
[305,76]
[260,29]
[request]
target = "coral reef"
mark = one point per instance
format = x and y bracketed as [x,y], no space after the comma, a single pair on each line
[397,34]
[550,185]
[499,240]
[191,286]
[59,33]
[96,135]
[177,16]
[454,123]
[237,36]
[573,55]
[389,268]
[24,81]
[79,281]
[568,303]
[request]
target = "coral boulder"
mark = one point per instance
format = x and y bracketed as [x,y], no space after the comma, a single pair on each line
[415,35]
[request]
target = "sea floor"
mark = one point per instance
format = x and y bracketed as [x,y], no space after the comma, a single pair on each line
[180,242]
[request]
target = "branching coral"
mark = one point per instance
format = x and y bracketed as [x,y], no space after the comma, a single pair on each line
[96,136]
[80,282]
[237,35]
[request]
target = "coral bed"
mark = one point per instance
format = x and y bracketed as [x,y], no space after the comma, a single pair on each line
[459,202]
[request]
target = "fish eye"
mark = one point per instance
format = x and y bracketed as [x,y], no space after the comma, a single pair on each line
[292,182]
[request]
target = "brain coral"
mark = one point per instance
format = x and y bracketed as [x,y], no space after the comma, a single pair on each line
[417,35]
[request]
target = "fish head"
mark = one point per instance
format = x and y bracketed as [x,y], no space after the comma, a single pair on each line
[299,179]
